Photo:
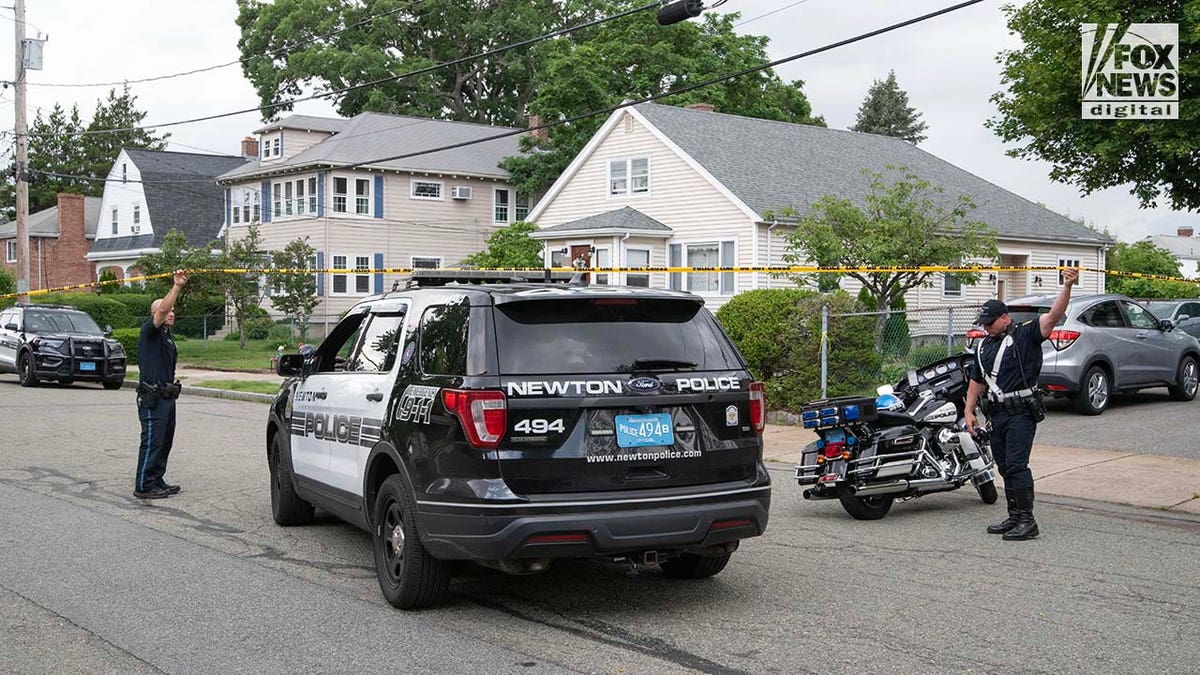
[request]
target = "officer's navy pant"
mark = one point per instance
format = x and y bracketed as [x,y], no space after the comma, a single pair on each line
[158,433]
[1012,440]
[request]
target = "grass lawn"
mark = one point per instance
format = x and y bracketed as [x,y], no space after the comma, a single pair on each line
[227,354]
[253,386]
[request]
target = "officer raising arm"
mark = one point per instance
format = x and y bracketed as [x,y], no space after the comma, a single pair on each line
[156,394]
[1004,383]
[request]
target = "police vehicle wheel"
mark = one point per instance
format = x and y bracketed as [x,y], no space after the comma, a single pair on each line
[1187,379]
[865,508]
[693,566]
[112,384]
[287,508]
[25,371]
[1094,393]
[409,577]
[987,492]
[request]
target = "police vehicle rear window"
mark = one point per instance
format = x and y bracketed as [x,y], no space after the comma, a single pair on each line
[609,335]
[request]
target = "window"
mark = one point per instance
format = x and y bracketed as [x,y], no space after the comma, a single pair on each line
[137,214]
[426,189]
[124,172]
[637,257]
[339,280]
[312,195]
[362,196]
[114,220]
[377,351]
[601,259]
[277,200]
[341,340]
[629,176]
[301,201]
[710,254]
[522,211]
[501,204]
[248,204]
[278,142]
[340,193]
[235,216]
[443,338]
[558,258]
[951,286]
[1139,317]
[1104,315]
[1066,262]
[426,263]
[287,198]
[10,251]
[362,282]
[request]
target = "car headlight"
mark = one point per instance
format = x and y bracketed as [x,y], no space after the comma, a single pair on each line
[116,348]
[48,345]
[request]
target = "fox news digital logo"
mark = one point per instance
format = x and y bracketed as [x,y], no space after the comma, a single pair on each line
[1132,74]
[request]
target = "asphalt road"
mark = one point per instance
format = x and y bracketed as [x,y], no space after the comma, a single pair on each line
[93,580]
[1147,422]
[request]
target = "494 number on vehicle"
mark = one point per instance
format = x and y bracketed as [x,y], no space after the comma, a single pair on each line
[539,426]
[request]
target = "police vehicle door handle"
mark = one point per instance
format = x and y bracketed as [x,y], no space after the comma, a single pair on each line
[1141,336]
[375,396]
[320,394]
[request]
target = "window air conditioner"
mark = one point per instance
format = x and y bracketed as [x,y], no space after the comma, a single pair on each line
[136,229]
[460,192]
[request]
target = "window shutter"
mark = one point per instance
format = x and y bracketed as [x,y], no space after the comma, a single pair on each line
[320,277]
[379,198]
[320,193]
[676,260]
[266,201]
[378,265]
[727,278]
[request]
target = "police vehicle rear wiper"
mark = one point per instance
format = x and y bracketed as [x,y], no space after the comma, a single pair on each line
[659,364]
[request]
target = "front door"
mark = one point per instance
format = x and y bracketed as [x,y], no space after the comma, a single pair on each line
[581,258]
[9,339]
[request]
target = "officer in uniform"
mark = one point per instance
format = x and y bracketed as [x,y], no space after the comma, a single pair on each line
[156,394]
[1004,381]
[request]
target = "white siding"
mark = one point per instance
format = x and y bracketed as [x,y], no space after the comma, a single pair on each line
[123,196]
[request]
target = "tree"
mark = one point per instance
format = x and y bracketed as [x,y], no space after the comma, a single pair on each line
[202,295]
[904,223]
[1145,258]
[285,47]
[509,247]
[295,294]
[62,159]
[243,291]
[8,284]
[886,111]
[633,58]
[1040,107]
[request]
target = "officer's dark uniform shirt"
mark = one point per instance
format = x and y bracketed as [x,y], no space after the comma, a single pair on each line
[156,354]
[1025,353]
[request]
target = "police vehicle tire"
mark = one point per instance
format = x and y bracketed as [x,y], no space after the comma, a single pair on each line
[25,372]
[413,578]
[865,508]
[1089,402]
[1185,385]
[987,492]
[694,566]
[287,508]
[112,384]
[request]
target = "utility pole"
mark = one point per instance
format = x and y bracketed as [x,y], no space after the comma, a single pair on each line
[22,158]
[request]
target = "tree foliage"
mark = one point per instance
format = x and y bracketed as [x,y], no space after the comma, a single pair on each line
[1040,107]
[904,221]
[61,159]
[509,247]
[295,294]
[243,291]
[8,284]
[1146,258]
[202,295]
[886,111]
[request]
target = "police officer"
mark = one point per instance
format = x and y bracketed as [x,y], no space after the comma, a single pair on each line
[1004,380]
[157,391]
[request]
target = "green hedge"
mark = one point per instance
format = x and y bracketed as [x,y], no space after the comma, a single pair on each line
[128,337]
[755,320]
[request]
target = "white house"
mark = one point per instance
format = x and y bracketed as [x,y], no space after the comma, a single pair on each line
[1185,246]
[661,185]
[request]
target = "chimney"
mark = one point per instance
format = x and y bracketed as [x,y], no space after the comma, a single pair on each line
[71,226]
[1186,231]
[702,107]
[250,147]
[542,135]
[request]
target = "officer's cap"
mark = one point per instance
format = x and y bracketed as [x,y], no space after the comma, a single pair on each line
[992,310]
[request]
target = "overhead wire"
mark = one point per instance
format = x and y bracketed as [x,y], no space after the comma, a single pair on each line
[743,22]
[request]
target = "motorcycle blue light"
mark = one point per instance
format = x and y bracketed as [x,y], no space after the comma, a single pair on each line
[808,415]
[850,440]
[826,412]
[829,421]
[811,424]
[850,412]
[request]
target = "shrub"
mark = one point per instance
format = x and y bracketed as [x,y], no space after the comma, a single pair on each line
[854,366]
[128,337]
[755,320]
[280,333]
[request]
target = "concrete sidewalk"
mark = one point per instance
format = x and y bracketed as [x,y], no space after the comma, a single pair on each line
[1149,481]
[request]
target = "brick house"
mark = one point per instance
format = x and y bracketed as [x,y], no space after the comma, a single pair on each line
[59,239]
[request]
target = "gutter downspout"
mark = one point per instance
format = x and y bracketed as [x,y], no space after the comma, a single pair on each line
[623,258]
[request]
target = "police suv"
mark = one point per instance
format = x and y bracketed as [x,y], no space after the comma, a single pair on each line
[517,422]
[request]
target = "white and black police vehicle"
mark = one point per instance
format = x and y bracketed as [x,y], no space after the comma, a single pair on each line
[471,417]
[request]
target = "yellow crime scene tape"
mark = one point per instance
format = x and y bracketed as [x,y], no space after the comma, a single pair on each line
[769,269]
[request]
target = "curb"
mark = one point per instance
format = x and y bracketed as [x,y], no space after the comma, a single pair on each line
[217,393]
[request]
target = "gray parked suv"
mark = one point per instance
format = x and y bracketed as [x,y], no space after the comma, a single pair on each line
[1185,314]
[1109,343]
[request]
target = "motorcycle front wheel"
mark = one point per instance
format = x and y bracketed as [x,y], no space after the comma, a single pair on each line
[865,508]
[987,492]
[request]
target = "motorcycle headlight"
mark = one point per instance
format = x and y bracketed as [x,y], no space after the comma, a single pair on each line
[946,437]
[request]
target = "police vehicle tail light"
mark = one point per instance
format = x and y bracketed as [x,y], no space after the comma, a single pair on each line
[758,407]
[484,414]
[1063,338]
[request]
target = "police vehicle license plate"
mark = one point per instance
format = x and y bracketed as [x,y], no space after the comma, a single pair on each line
[637,431]
[87,365]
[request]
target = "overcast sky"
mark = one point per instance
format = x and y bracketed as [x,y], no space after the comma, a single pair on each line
[947,66]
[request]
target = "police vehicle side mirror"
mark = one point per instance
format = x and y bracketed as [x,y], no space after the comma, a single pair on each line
[107,330]
[291,365]
[1166,325]
[11,326]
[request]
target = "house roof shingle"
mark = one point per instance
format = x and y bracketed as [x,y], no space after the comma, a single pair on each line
[625,219]
[44,223]
[770,165]
[1180,247]
[373,135]
[306,123]
[181,193]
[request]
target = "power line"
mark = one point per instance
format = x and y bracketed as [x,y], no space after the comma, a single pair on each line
[393,78]
[681,90]
[272,54]
[774,11]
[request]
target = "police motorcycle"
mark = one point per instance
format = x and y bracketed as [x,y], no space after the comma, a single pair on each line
[910,441]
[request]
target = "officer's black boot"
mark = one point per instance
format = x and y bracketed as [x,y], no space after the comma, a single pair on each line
[1010,522]
[1026,527]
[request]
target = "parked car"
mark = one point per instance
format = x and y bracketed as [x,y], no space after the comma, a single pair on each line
[513,424]
[1185,314]
[57,342]
[1106,344]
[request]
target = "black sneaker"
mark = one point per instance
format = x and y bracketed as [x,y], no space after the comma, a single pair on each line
[152,493]
[171,489]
